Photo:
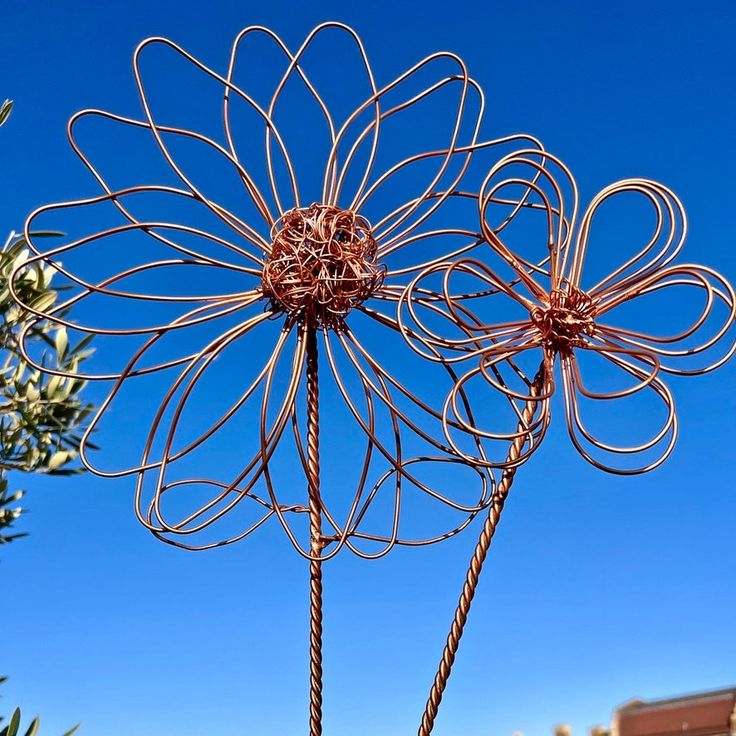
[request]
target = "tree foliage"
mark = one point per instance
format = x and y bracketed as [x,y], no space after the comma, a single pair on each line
[13,727]
[40,415]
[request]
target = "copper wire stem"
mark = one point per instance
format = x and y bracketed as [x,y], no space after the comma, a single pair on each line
[315,533]
[476,561]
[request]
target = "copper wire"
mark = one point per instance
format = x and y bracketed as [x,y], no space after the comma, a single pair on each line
[315,532]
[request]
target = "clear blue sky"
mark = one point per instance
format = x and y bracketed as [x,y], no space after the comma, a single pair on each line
[598,589]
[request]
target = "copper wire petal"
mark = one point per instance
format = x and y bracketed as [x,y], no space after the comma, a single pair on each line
[607,455]
[696,348]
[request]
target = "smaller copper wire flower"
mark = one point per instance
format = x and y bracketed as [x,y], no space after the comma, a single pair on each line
[567,322]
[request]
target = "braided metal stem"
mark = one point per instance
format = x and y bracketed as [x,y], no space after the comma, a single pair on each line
[315,533]
[476,561]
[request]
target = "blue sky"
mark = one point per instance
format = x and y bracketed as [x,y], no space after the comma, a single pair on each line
[598,588]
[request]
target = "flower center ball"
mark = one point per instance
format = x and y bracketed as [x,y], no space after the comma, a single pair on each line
[569,316]
[322,264]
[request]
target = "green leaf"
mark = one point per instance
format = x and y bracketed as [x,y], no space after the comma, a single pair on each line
[32,393]
[62,342]
[33,728]
[57,459]
[12,728]
[5,109]
[43,302]
[20,259]
[83,343]
[52,387]
[47,233]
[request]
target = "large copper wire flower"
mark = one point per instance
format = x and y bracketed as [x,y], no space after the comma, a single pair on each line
[622,319]
[265,272]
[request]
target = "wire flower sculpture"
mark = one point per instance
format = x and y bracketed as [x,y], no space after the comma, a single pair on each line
[292,280]
[212,303]
[564,322]
[567,321]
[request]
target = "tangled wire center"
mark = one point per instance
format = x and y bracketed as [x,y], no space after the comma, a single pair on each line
[323,262]
[563,323]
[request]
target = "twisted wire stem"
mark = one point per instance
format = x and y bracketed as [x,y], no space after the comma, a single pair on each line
[315,533]
[478,558]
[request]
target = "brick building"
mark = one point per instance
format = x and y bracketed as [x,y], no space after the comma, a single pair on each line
[711,713]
